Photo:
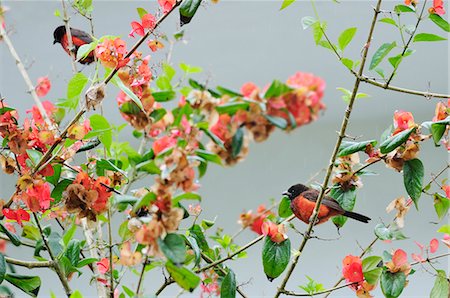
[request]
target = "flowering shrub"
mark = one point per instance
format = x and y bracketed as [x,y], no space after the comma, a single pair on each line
[78,173]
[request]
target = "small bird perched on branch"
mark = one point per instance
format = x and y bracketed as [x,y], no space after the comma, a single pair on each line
[79,38]
[303,201]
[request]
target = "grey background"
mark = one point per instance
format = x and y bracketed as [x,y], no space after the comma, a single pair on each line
[240,41]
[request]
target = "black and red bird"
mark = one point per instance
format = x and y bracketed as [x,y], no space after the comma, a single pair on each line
[303,200]
[79,38]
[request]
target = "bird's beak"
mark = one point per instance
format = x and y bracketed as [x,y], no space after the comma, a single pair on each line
[55,41]
[286,193]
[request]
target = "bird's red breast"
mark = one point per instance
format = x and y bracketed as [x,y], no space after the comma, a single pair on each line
[303,209]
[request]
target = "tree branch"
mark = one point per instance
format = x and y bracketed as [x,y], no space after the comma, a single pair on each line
[29,264]
[289,293]
[334,154]
[69,38]
[26,78]
[56,266]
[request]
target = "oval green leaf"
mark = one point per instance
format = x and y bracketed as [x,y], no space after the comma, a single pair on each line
[413,173]
[392,284]
[275,257]
[173,247]
[396,140]
[228,287]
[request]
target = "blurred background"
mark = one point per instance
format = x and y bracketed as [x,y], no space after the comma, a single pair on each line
[240,41]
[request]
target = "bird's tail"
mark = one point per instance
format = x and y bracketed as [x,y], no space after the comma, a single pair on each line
[357,216]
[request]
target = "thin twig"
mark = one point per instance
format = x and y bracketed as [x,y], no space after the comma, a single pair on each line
[289,293]
[111,276]
[405,48]
[29,264]
[141,276]
[56,266]
[26,77]
[69,38]
[333,156]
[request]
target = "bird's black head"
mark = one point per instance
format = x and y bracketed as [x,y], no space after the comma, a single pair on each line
[295,190]
[58,34]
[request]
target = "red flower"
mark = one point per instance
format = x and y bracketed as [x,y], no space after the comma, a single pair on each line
[249,89]
[438,7]
[277,233]
[221,128]
[148,21]
[18,215]
[163,143]
[402,121]
[111,52]
[103,265]
[137,28]
[352,269]
[43,86]
[166,5]
[36,114]
[38,196]
[446,188]
[440,112]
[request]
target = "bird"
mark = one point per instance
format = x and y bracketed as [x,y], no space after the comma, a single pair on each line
[303,201]
[79,38]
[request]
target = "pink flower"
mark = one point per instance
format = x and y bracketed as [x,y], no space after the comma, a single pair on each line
[249,89]
[438,7]
[163,143]
[446,188]
[148,21]
[434,245]
[446,240]
[43,86]
[38,196]
[277,233]
[399,258]
[137,28]
[402,121]
[103,265]
[36,114]
[166,5]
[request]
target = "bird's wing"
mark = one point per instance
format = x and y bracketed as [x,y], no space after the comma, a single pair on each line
[81,35]
[312,195]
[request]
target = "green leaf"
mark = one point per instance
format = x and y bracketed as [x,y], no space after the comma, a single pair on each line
[68,235]
[76,294]
[193,244]
[438,129]
[209,156]
[276,89]
[346,37]
[403,8]
[226,91]
[59,189]
[392,284]
[318,29]
[34,156]
[228,287]
[285,4]
[173,248]
[413,173]
[381,53]
[388,21]
[141,12]
[184,277]
[118,82]
[196,232]
[189,69]
[29,284]
[144,201]
[186,196]
[346,94]
[427,37]
[236,142]
[440,288]
[101,129]
[13,237]
[2,267]
[73,252]
[371,269]
[284,209]
[438,20]
[348,148]
[188,9]
[54,242]
[396,140]
[347,63]
[275,257]
[277,121]
[308,22]
[74,89]
[441,205]
[86,261]
[232,107]
[346,200]
[444,229]
[162,96]
[6,109]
